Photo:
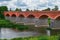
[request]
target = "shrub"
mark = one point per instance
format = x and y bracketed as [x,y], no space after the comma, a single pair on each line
[43,38]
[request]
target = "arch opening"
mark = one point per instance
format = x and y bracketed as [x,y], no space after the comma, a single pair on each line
[13,18]
[13,15]
[31,16]
[42,21]
[30,20]
[43,16]
[56,23]
[7,15]
[58,18]
[22,16]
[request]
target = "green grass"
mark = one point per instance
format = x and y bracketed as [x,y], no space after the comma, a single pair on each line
[38,38]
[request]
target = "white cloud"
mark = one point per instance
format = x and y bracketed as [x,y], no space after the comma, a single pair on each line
[11,4]
[31,4]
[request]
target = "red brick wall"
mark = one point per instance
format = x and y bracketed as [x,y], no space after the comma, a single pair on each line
[37,14]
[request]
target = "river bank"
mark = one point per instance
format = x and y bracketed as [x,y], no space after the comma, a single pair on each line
[37,38]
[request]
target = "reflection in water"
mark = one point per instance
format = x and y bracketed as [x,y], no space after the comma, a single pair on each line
[9,33]
[0,32]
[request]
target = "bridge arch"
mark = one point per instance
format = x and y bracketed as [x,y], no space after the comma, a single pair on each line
[13,15]
[56,23]
[21,16]
[42,21]
[7,15]
[30,16]
[30,20]
[43,16]
[57,18]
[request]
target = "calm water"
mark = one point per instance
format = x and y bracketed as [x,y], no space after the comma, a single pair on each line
[9,33]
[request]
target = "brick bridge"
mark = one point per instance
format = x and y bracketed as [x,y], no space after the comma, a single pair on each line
[37,18]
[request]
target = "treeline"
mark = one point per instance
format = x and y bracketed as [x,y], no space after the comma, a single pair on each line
[47,9]
[54,9]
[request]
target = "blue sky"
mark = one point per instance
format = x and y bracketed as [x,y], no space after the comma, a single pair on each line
[30,4]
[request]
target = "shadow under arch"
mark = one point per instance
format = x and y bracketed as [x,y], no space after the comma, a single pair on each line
[57,18]
[22,16]
[7,15]
[13,15]
[30,16]
[42,21]
[30,20]
[43,16]
[56,23]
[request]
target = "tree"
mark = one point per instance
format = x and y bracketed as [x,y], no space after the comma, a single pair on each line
[18,9]
[55,9]
[2,9]
[48,9]
[27,10]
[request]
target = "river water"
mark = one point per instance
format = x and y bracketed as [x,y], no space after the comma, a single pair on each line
[9,33]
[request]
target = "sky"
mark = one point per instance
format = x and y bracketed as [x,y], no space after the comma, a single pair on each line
[30,4]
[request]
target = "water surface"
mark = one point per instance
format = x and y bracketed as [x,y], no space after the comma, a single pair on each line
[9,33]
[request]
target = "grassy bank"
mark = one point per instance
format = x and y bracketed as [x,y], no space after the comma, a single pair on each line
[38,38]
[8,24]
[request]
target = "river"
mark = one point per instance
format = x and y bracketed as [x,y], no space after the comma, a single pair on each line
[8,33]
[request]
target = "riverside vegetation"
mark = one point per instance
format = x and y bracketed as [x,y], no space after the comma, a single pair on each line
[8,24]
[38,38]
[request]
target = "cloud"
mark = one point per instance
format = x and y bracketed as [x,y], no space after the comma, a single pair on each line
[30,4]
[4,0]
[20,4]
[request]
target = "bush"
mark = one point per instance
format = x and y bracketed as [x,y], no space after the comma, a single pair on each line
[49,21]
[43,38]
[8,24]
[38,38]
[21,27]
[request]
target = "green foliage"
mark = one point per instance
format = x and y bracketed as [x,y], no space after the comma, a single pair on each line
[18,9]
[5,23]
[38,38]
[43,38]
[48,9]
[21,27]
[55,9]
[49,29]
[17,39]
[27,10]
[8,24]
[2,9]
[49,21]
[59,37]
